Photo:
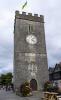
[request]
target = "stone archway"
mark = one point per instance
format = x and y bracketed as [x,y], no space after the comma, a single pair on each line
[33,84]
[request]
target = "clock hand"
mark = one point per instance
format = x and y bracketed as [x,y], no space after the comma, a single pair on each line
[33,39]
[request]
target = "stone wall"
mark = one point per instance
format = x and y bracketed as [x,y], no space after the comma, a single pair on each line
[24,51]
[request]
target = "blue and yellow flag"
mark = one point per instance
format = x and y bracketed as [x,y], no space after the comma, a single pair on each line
[24,5]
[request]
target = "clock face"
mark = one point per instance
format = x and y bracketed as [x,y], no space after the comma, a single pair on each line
[31,39]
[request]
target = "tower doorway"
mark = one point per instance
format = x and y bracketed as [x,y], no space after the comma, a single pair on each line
[33,84]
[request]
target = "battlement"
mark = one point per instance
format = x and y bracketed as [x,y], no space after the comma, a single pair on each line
[29,16]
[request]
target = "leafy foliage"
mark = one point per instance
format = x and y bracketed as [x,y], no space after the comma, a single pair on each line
[48,86]
[25,89]
[6,78]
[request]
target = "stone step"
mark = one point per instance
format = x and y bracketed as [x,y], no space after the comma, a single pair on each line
[37,94]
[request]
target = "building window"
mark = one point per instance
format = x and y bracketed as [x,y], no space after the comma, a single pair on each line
[30,28]
[56,75]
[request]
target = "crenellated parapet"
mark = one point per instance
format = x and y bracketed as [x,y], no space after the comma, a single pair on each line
[29,17]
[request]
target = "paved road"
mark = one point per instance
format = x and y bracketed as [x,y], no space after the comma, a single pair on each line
[11,96]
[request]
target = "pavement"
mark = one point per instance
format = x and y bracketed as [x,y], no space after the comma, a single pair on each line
[9,95]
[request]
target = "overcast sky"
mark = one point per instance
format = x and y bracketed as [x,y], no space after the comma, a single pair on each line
[51,9]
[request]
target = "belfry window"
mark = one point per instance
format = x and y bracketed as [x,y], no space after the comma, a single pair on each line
[30,28]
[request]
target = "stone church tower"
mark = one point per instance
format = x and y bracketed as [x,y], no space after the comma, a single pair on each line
[30,57]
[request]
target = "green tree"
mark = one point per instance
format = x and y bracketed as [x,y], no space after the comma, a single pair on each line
[6,78]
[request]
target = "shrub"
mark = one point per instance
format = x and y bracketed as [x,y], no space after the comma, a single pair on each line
[48,86]
[25,89]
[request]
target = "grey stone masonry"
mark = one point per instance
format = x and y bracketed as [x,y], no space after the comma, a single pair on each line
[30,56]
[29,17]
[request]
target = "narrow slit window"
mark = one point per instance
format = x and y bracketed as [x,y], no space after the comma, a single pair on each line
[30,28]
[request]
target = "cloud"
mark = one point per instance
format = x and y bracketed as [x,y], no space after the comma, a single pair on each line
[6,59]
[7,68]
[50,9]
